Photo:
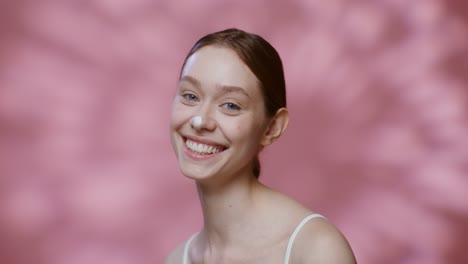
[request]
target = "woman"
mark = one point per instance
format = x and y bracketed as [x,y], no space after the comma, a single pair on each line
[230,104]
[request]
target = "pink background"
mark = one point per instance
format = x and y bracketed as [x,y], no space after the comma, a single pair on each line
[378,141]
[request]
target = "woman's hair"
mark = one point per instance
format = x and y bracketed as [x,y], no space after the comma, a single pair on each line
[261,58]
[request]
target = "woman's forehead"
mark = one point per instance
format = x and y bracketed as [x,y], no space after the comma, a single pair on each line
[220,66]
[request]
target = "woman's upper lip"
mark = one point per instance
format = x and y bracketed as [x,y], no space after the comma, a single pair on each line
[203,141]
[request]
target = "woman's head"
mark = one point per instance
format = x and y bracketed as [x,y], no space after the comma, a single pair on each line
[234,80]
[261,58]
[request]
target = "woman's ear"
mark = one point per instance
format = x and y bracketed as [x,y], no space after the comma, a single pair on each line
[276,127]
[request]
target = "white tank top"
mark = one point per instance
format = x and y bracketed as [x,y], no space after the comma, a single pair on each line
[185,259]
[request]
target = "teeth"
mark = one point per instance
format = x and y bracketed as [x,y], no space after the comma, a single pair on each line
[201,148]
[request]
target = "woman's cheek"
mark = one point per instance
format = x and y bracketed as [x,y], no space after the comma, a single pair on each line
[179,113]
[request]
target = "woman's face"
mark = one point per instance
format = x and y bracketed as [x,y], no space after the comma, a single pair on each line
[216,85]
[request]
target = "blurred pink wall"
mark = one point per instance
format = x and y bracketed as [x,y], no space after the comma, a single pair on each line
[378,141]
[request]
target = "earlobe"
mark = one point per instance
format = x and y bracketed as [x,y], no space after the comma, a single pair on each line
[276,127]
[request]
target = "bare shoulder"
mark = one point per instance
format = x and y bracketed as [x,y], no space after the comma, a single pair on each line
[319,241]
[175,257]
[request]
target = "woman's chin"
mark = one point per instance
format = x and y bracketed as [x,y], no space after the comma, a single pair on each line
[198,174]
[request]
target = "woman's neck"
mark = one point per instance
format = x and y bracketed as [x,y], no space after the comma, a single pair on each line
[228,210]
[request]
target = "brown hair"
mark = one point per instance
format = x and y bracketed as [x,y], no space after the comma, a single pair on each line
[261,58]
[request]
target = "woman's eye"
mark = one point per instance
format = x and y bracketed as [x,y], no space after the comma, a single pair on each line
[231,106]
[190,97]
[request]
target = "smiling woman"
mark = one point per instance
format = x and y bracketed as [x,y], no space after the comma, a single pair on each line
[230,104]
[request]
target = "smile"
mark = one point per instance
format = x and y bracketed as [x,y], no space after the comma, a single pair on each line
[201,148]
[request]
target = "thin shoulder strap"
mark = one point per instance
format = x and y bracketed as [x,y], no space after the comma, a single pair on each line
[186,248]
[294,234]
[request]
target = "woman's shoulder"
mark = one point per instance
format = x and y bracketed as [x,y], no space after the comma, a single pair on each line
[176,255]
[317,239]
[284,207]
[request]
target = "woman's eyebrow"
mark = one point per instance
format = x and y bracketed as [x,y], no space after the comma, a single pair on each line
[233,89]
[190,79]
[224,88]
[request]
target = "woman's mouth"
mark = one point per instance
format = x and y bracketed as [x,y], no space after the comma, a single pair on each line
[202,148]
